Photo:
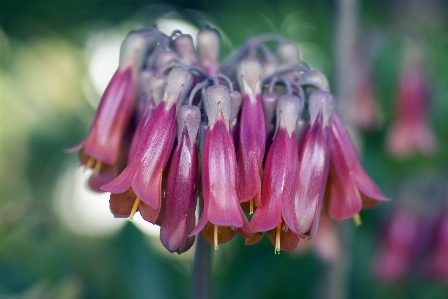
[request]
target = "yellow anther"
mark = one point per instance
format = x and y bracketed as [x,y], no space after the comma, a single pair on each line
[251,206]
[98,165]
[357,220]
[89,163]
[215,236]
[277,238]
[134,208]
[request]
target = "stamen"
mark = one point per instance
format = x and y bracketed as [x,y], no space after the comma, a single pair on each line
[89,163]
[134,208]
[357,220]
[98,165]
[215,236]
[277,238]
[251,206]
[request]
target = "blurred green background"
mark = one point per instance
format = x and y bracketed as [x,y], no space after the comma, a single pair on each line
[58,240]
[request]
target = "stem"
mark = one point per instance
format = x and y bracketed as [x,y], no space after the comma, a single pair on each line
[202,266]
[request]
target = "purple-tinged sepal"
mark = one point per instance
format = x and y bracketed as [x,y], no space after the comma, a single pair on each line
[252,137]
[276,212]
[144,172]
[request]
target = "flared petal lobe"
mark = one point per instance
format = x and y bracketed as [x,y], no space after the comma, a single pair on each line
[182,185]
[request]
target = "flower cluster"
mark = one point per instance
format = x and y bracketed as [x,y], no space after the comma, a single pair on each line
[256,132]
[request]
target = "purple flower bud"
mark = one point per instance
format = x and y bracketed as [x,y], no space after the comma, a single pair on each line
[288,52]
[252,139]
[280,177]
[185,47]
[144,172]
[208,45]
[221,205]
[182,185]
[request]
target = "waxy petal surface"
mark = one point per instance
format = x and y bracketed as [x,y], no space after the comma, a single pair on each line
[314,163]
[251,147]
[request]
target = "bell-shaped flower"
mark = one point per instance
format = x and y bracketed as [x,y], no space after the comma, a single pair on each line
[314,161]
[182,185]
[276,212]
[144,171]
[410,131]
[252,137]
[349,187]
[222,214]
[208,46]
[102,144]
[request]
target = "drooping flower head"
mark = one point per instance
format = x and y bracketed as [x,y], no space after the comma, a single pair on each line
[144,172]
[222,214]
[276,210]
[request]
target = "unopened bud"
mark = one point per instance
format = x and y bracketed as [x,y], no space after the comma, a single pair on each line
[317,78]
[289,52]
[249,74]
[185,47]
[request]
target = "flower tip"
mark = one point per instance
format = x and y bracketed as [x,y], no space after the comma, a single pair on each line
[321,101]
[288,51]
[178,84]
[288,112]
[218,104]
[249,74]
[190,117]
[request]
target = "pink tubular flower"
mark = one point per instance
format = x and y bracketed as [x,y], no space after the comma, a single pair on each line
[280,179]
[221,205]
[252,137]
[181,189]
[314,161]
[398,247]
[102,144]
[144,172]
[349,187]
[411,131]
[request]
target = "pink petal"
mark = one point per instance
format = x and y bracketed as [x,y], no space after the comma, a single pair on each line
[112,118]
[218,177]
[181,195]
[314,163]
[279,184]
[251,147]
